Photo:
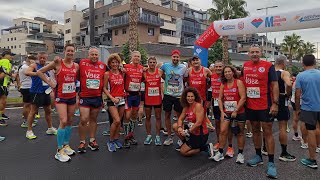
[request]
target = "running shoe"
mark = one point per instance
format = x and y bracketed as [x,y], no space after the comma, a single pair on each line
[37,116]
[287,157]
[133,141]
[318,150]
[51,131]
[126,143]
[272,171]
[210,151]
[310,163]
[210,126]
[3,123]
[54,111]
[93,145]
[103,110]
[264,152]
[30,135]
[4,117]
[148,140]
[68,150]
[82,148]
[140,123]
[168,141]
[143,117]
[77,113]
[255,161]
[179,144]
[2,138]
[111,146]
[121,131]
[218,157]
[230,152]
[296,138]
[304,145]
[240,158]
[118,144]
[288,129]
[25,124]
[249,134]
[62,156]
[157,141]
[106,133]
[216,147]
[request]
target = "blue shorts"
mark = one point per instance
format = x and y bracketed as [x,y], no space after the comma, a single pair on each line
[70,101]
[132,102]
[91,102]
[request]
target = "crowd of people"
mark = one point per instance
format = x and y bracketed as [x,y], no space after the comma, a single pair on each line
[244,101]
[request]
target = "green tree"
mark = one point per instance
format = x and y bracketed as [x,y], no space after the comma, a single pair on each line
[216,52]
[126,53]
[291,45]
[224,10]
[305,48]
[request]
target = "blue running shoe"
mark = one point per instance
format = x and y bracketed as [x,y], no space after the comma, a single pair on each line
[157,141]
[309,163]
[272,171]
[255,161]
[111,146]
[148,140]
[118,144]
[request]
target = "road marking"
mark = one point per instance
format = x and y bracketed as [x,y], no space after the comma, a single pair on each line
[14,108]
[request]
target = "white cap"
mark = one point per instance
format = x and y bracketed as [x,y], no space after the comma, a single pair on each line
[212,65]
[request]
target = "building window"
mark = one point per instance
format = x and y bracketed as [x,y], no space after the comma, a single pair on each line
[96,17]
[68,31]
[15,47]
[8,39]
[116,32]
[68,42]
[104,38]
[11,39]
[15,38]
[103,14]
[68,20]
[19,46]
[124,31]
[11,47]
[151,31]
[96,29]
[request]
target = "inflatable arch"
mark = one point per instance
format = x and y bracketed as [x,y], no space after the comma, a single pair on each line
[272,23]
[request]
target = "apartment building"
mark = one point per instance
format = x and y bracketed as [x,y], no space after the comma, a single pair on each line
[72,20]
[30,36]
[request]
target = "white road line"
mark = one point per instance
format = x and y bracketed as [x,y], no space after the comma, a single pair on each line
[14,108]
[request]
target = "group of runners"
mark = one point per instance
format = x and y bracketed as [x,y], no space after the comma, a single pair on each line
[256,95]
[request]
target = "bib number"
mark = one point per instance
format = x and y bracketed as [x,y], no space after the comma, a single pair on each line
[253,92]
[93,83]
[173,89]
[68,88]
[134,86]
[230,105]
[215,102]
[153,91]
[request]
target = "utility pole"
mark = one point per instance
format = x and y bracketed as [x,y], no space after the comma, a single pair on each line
[133,24]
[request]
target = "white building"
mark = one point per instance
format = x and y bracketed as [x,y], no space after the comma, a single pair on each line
[72,20]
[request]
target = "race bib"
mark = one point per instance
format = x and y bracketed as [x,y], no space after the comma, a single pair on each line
[230,105]
[93,83]
[173,89]
[253,92]
[153,91]
[134,86]
[68,87]
[215,102]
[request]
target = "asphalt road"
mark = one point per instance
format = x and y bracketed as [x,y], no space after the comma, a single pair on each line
[34,159]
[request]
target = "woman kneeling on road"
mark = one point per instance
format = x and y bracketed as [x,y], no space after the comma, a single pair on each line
[194,136]
[231,100]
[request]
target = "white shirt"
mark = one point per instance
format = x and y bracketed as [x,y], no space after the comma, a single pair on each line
[25,80]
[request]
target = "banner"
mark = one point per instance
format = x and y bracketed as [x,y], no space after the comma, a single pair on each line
[202,53]
[209,37]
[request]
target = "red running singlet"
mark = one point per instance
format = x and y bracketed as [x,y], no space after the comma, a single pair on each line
[116,84]
[91,78]
[199,81]
[215,85]
[231,98]
[133,77]
[191,117]
[153,88]
[66,82]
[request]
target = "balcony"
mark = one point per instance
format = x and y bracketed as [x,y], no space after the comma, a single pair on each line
[84,24]
[124,21]
[188,41]
[192,30]
[166,38]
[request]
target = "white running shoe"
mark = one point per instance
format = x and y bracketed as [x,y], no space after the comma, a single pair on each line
[318,150]
[218,157]
[249,134]
[296,138]
[168,141]
[304,145]
[62,156]
[240,158]
[30,135]
[67,149]
[51,131]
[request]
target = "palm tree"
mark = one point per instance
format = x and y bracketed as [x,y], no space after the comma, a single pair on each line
[224,10]
[291,45]
[305,48]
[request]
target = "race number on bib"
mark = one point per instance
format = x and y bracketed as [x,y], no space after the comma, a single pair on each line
[153,91]
[93,83]
[68,87]
[173,89]
[253,92]
[230,105]
[134,86]
[215,102]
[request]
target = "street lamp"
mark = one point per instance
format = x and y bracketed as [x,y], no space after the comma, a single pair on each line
[266,8]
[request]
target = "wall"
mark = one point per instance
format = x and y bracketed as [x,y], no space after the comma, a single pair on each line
[18,43]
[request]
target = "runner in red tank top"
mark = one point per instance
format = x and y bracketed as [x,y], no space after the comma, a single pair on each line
[195,135]
[91,75]
[261,84]
[231,100]
[133,79]
[65,98]
[114,89]
[153,98]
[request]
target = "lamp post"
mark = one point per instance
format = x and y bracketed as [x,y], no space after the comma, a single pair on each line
[266,8]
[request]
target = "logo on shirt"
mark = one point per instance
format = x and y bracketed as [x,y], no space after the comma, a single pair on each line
[173,79]
[57,99]
[261,69]
[101,66]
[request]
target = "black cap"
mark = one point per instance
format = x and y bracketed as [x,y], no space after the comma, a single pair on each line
[195,57]
[7,52]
